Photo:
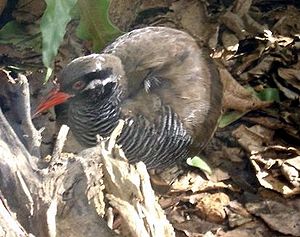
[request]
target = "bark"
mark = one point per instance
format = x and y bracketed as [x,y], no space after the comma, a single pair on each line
[67,197]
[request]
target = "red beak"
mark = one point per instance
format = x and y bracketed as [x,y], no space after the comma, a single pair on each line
[55,97]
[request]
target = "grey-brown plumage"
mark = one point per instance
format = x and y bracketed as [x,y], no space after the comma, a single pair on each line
[158,80]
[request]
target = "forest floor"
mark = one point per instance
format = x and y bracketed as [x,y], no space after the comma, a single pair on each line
[253,186]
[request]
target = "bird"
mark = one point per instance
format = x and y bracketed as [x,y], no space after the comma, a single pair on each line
[164,86]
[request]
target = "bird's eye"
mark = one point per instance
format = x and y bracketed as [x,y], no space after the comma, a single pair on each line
[78,85]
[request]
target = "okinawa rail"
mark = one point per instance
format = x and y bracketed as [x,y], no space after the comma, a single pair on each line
[158,80]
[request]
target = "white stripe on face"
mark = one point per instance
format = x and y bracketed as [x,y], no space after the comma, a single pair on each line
[101,82]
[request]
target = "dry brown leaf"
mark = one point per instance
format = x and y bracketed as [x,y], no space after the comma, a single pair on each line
[29,10]
[260,69]
[275,40]
[234,154]
[251,229]
[268,122]
[212,207]
[195,183]
[233,22]
[237,214]
[219,175]
[286,91]
[253,139]
[291,77]
[187,12]
[13,52]
[237,97]
[196,227]
[278,216]
[230,41]
[247,62]
[253,26]
[271,48]
[241,7]
[275,163]
[150,4]
[162,179]
[287,20]
[291,170]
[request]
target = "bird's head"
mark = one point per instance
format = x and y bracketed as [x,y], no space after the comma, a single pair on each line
[98,72]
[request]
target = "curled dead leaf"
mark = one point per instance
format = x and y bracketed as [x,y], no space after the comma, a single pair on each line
[278,168]
[212,207]
[242,7]
[291,77]
[237,214]
[235,24]
[254,138]
[278,216]
[237,97]
[194,182]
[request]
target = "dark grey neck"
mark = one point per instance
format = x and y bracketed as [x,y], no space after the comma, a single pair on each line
[94,112]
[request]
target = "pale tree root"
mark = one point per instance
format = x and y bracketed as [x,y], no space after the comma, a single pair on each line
[67,197]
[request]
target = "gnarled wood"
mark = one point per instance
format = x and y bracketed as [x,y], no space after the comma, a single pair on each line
[66,198]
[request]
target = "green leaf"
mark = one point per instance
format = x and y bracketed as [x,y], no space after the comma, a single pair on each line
[53,27]
[197,162]
[48,73]
[230,117]
[269,94]
[21,36]
[95,24]
[12,33]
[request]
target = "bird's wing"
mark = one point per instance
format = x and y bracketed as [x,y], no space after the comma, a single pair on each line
[165,67]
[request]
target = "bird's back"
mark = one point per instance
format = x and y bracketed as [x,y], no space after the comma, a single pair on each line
[165,68]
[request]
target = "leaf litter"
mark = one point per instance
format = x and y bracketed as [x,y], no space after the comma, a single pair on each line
[253,189]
